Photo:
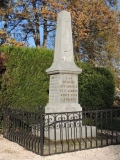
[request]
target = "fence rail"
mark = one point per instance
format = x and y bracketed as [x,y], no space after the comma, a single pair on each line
[47,134]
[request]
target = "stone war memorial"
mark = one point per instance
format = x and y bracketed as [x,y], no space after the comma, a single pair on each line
[63,87]
[63,118]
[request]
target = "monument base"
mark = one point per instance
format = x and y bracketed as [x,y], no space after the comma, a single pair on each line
[62,107]
[71,133]
[66,133]
[61,125]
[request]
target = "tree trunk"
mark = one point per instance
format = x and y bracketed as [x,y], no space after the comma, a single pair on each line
[36,33]
[45,34]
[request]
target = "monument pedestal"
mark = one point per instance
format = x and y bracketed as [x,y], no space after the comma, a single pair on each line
[63,93]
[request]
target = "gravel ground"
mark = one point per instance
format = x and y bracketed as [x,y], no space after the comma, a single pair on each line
[12,151]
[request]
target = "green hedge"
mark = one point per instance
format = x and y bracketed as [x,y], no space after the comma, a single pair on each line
[96,86]
[26,84]
[26,80]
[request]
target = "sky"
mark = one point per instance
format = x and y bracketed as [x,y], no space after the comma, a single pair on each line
[119,5]
[31,40]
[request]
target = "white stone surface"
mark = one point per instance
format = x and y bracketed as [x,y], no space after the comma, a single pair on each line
[64,107]
[63,88]
[71,133]
[63,93]
[66,132]
[63,55]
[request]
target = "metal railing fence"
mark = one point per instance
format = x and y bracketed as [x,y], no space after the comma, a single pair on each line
[47,134]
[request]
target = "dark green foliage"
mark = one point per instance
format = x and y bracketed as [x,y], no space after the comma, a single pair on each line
[25,84]
[26,80]
[96,86]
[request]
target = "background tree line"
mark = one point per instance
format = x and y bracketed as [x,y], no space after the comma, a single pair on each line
[95,26]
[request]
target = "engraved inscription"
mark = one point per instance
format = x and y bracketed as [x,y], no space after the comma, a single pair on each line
[63,88]
[54,85]
[69,89]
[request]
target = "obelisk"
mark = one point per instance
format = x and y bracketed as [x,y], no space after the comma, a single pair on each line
[63,90]
[63,87]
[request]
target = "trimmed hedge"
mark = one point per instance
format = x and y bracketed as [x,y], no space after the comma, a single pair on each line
[26,84]
[96,87]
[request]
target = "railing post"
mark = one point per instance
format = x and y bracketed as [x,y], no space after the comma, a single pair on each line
[41,131]
[4,120]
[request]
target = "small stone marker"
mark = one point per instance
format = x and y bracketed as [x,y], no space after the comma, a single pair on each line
[63,88]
